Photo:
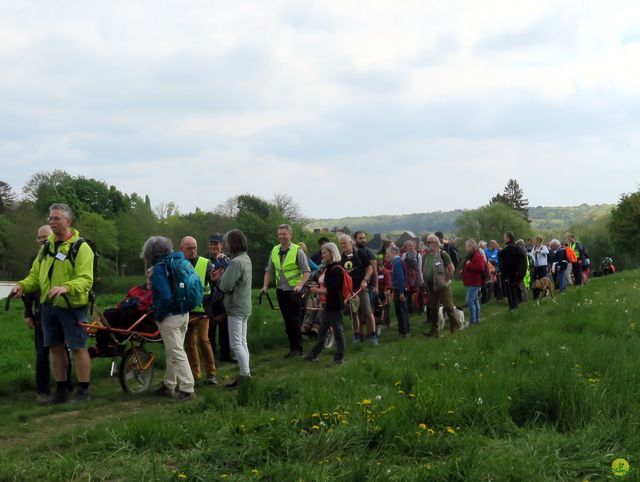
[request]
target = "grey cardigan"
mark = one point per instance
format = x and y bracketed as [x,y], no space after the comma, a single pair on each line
[236,285]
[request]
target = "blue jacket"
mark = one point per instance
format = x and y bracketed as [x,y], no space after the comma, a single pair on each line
[161,287]
[493,256]
[397,275]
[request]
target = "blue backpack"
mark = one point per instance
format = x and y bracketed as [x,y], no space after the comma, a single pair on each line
[186,286]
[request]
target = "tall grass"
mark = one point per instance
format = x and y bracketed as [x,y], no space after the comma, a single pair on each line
[548,392]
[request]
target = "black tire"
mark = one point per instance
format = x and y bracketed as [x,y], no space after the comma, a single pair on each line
[133,379]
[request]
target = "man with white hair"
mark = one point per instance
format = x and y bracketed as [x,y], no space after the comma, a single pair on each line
[356,263]
[438,271]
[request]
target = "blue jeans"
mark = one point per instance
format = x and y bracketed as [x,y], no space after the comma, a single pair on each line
[473,303]
[561,280]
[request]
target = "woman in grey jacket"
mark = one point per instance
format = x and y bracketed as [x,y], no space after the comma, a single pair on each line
[235,282]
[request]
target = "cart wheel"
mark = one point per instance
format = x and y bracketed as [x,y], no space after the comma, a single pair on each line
[328,341]
[133,377]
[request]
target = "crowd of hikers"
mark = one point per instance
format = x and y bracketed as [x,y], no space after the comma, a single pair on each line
[201,304]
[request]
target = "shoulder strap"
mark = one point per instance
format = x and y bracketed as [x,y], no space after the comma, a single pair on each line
[73,251]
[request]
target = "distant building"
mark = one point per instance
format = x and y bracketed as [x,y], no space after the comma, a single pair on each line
[404,237]
[375,243]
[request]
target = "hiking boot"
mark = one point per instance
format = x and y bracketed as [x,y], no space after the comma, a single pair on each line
[42,397]
[184,396]
[356,339]
[211,380]
[80,395]
[236,383]
[311,358]
[61,395]
[293,354]
[165,391]
[374,339]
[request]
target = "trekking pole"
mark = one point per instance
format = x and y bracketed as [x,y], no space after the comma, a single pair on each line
[264,293]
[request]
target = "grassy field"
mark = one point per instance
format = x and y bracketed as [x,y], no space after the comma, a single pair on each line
[549,392]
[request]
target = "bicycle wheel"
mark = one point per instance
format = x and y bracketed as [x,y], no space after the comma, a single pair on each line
[134,378]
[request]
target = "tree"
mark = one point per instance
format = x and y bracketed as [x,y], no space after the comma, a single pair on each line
[287,207]
[491,222]
[228,208]
[39,179]
[625,225]
[164,211]
[7,197]
[513,196]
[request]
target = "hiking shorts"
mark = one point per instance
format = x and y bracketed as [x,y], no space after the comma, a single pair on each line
[60,326]
[365,305]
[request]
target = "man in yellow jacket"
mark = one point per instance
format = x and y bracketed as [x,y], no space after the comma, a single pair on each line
[63,272]
[289,267]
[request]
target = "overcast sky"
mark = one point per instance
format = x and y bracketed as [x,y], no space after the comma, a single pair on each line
[350,107]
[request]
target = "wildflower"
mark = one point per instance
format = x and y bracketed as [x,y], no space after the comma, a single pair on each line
[365,402]
[401,392]
[450,411]
[411,395]
[398,383]
[225,476]
[451,430]
[182,476]
[422,426]
[315,414]
[431,431]
[479,401]
[315,427]
[255,472]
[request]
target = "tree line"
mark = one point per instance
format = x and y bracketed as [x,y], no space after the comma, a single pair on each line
[120,223]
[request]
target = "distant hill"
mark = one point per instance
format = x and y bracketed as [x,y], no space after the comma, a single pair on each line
[543,219]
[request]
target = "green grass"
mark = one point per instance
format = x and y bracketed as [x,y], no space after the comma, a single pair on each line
[549,392]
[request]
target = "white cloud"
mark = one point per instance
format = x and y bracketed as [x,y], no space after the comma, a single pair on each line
[335,103]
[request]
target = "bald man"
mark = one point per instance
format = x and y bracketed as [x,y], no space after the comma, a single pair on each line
[198,329]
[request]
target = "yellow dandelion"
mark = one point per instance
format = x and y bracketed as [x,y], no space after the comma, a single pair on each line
[182,476]
[225,476]
[428,466]
[411,395]
[316,427]
[272,419]
[401,392]
[365,402]
[450,411]
[422,426]
[431,431]
[315,414]
[255,472]
[398,383]
[451,430]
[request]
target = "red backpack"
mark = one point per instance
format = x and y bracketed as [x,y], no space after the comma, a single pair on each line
[347,284]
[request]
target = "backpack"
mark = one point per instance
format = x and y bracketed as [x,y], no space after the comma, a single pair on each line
[411,270]
[571,255]
[347,284]
[186,287]
[485,275]
[72,255]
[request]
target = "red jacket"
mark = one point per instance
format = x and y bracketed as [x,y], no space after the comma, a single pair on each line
[472,270]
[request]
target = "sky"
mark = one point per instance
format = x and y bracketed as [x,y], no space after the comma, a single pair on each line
[351,108]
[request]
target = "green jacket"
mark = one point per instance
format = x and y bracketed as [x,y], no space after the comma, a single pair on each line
[48,271]
[236,284]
